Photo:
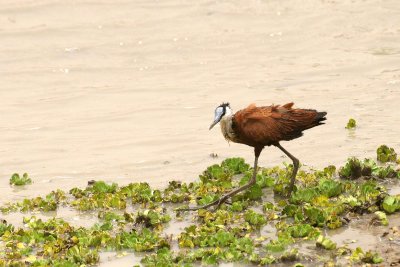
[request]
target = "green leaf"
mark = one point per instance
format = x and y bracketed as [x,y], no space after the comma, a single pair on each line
[237,206]
[275,246]
[301,230]
[17,180]
[254,192]
[371,257]
[254,218]
[315,216]
[351,124]
[385,154]
[329,187]
[325,243]
[207,199]
[216,173]
[236,165]
[381,217]
[385,172]
[390,204]
[223,238]
[357,254]
[352,169]
[102,187]
[304,195]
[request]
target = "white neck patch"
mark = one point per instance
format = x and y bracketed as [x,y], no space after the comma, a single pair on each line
[228,111]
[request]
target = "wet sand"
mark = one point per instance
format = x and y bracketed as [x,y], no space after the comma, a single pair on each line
[124,91]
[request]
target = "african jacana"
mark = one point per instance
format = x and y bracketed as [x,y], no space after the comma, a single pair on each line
[264,126]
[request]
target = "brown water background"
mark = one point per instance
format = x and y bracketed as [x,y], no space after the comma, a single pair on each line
[125,90]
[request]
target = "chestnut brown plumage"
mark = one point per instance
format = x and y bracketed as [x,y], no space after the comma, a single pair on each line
[264,126]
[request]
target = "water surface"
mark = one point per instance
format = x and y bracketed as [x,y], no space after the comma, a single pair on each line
[125,91]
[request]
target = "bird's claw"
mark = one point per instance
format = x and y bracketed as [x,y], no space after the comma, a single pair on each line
[218,203]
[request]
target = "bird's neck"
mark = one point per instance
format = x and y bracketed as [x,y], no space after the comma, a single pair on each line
[226,127]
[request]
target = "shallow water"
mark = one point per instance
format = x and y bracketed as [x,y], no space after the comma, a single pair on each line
[125,91]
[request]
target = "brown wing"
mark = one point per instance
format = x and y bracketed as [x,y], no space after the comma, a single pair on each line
[256,126]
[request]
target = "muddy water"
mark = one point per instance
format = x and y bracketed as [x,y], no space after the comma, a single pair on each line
[125,90]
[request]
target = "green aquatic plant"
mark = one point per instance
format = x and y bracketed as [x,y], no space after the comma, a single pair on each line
[330,188]
[280,244]
[163,257]
[369,167]
[380,218]
[48,203]
[217,174]
[254,218]
[385,154]
[221,174]
[82,255]
[140,240]
[386,172]
[303,230]
[391,204]
[5,227]
[151,218]
[101,195]
[352,169]
[110,216]
[20,180]
[355,168]
[50,240]
[351,124]
[176,192]
[136,218]
[236,165]
[358,255]
[225,245]
[305,195]
[102,187]
[290,256]
[325,243]
[372,257]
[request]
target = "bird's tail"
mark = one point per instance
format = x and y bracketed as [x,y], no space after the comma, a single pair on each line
[320,118]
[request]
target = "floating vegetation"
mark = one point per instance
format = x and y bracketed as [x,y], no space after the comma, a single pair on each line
[380,218]
[134,218]
[358,255]
[385,154]
[391,204]
[355,168]
[325,243]
[18,180]
[351,124]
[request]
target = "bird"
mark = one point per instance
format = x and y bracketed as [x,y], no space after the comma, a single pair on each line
[261,127]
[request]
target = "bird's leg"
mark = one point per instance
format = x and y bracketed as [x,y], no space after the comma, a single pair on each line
[295,167]
[239,189]
[222,199]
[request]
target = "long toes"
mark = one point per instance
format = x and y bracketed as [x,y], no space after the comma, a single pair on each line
[228,202]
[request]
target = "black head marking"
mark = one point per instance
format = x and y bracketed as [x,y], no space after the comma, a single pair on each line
[223,106]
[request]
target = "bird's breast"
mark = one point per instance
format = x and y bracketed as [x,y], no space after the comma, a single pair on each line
[227,129]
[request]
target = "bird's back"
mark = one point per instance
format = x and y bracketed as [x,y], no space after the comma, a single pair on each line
[264,126]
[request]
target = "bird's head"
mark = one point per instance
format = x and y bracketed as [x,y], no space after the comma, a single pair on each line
[221,111]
